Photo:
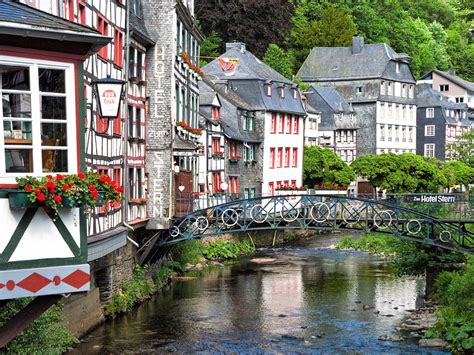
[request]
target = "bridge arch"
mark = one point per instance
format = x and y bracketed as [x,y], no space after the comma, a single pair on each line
[322,212]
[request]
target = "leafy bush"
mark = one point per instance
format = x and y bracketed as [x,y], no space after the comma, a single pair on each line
[220,250]
[47,334]
[165,271]
[135,290]
[189,252]
[455,323]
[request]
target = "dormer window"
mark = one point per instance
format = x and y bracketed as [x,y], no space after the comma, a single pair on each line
[216,113]
[444,87]
[397,67]
[269,88]
[282,92]
[359,90]
[295,92]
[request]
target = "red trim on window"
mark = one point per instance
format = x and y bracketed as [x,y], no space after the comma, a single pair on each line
[282,123]
[272,158]
[103,27]
[82,13]
[118,48]
[117,125]
[290,124]
[280,157]
[293,183]
[297,125]
[216,145]
[295,157]
[274,123]
[271,188]
[287,157]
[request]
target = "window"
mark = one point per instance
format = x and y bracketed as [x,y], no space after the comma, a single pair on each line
[131,183]
[282,92]
[118,48]
[248,122]
[382,88]
[459,99]
[131,118]
[36,140]
[272,158]
[295,93]
[216,146]
[397,133]
[131,62]
[117,128]
[338,136]
[295,157]
[280,157]
[297,125]
[430,112]
[289,124]
[138,123]
[359,90]
[429,150]
[250,193]
[410,134]
[287,157]
[103,27]
[271,188]
[274,123]
[282,123]
[444,87]
[411,91]
[234,184]
[216,182]
[250,152]
[404,134]
[293,183]
[397,67]
[389,134]
[178,37]
[404,90]
[429,130]
[82,14]
[216,113]
[389,88]
[269,89]
[382,110]
[137,7]
[233,151]
[382,132]
[139,65]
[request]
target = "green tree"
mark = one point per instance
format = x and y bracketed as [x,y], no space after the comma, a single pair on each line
[279,59]
[400,173]
[458,173]
[463,148]
[210,48]
[334,27]
[323,166]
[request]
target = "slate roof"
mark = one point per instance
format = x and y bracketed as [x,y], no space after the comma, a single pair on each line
[469,86]
[231,108]
[17,19]
[138,27]
[248,67]
[206,98]
[329,103]
[432,98]
[180,144]
[329,63]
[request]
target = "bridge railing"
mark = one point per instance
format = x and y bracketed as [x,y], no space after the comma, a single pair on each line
[321,212]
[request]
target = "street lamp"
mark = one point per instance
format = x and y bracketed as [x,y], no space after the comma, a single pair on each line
[109,93]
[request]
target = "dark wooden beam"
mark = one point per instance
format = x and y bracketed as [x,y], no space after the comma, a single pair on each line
[25,317]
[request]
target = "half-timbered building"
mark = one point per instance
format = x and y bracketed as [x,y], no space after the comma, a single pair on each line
[42,62]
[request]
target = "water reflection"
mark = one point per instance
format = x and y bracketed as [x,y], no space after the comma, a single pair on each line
[308,300]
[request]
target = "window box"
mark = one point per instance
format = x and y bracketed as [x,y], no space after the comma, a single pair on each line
[20,199]
[218,155]
[235,159]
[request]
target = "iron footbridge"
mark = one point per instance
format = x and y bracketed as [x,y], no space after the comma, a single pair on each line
[326,213]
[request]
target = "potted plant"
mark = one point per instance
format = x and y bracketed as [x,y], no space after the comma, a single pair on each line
[217,155]
[234,158]
[72,190]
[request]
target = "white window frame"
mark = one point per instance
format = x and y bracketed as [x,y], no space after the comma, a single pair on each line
[430,112]
[429,130]
[428,147]
[71,120]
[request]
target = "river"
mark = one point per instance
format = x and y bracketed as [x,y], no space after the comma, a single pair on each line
[305,298]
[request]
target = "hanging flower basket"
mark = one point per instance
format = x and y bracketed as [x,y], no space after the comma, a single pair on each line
[69,191]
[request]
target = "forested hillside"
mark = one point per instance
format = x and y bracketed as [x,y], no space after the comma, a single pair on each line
[435,33]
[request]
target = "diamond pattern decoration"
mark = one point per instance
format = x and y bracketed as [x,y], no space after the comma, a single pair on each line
[77,279]
[2,286]
[34,282]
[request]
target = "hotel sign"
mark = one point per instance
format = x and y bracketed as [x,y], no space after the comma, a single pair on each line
[430,198]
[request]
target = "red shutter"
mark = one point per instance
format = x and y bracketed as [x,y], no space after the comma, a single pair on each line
[297,125]
[272,158]
[274,123]
[295,157]
[271,188]
[287,157]
[280,157]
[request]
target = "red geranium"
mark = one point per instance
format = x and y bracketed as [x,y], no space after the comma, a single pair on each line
[57,198]
[41,197]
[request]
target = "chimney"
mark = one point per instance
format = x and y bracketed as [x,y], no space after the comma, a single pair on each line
[452,71]
[237,45]
[357,44]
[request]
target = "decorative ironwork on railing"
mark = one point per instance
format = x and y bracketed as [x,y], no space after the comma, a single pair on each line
[323,212]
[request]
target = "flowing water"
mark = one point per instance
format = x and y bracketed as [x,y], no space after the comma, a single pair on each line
[310,299]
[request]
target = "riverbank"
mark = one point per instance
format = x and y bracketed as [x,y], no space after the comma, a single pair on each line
[446,319]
